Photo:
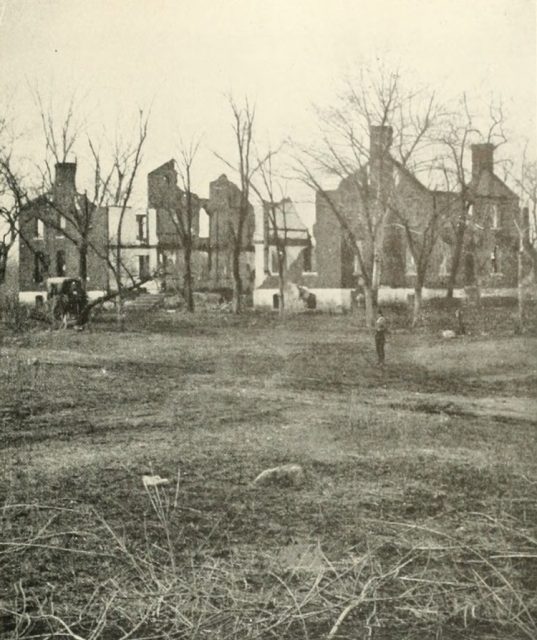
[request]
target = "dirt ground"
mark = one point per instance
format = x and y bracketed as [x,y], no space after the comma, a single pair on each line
[417,517]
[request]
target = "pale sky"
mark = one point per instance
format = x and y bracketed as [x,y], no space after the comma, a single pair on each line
[184,56]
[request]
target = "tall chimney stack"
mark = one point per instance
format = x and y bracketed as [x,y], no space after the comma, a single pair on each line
[380,141]
[65,176]
[482,158]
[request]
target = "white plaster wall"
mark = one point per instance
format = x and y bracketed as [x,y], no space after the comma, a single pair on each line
[129,227]
[341,299]
[259,250]
[152,226]
[28,297]
[502,293]
[129,259]
[332,299]
[259,220]
[400,294]
[327,299]
[263,298]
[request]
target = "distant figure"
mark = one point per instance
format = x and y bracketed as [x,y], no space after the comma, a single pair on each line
[461,329]
[380,336]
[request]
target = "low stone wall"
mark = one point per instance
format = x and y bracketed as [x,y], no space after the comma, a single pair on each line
[342,299]
[402,294]
[325,299]
[29,297]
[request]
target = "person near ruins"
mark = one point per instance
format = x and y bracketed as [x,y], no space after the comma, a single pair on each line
[381,329]
[461,329]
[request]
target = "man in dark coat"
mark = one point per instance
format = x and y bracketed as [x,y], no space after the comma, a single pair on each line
[380,336]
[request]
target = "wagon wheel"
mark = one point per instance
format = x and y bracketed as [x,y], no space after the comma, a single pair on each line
[59,312]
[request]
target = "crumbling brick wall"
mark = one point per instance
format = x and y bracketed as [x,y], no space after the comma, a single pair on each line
[47,250]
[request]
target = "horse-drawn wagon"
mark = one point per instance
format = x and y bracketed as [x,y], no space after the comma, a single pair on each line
[66,299]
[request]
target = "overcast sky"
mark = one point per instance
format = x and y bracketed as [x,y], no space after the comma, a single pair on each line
[183,56]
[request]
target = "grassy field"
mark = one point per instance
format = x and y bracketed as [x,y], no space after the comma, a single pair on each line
[417,517]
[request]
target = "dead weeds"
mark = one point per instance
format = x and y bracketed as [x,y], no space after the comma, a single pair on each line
[411,523]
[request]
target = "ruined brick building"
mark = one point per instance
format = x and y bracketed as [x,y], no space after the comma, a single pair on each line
[279,229]
[212,229]
[150,241]
[322,263]
[50,228]
[138,245]
[488,251]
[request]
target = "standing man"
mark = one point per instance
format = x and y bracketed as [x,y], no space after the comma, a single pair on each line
[380,336]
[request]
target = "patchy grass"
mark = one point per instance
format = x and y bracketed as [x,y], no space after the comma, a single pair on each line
[418,517]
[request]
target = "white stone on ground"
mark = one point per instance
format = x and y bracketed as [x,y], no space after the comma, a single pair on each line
[288,475]
[154,481]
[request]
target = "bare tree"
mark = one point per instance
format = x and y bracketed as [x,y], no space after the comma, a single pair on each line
[182,207]
[61,133]
[115,173]
[11,202]
[461,130]
[69,213]
[525,220]
[399,122]
[422,230]
[14,198]
[126,160]
[275,217]
[81,220]
[11,198]
[246,166]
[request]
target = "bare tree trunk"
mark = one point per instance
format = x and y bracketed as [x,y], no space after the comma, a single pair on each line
[455,263]
[281,282]
[533,256]
[373,289]
[418,298]
[120,317]
[520,287]
[370,298]
[237,282]
[83,264]
[187,279]
[3,262]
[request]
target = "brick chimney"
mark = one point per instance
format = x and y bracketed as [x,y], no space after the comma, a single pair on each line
[65,176]
[380,141]
[482,158]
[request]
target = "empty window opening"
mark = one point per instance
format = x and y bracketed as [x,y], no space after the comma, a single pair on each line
[495,216]
[141,224]
[276,301]
[308,262]
[143,267]
[39,266]
[469,269]
[60,263]
[275,256]
[410,264]
[357,267]
[61,223]
[203,223]
[495,260]
[443,270]
[40,229]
